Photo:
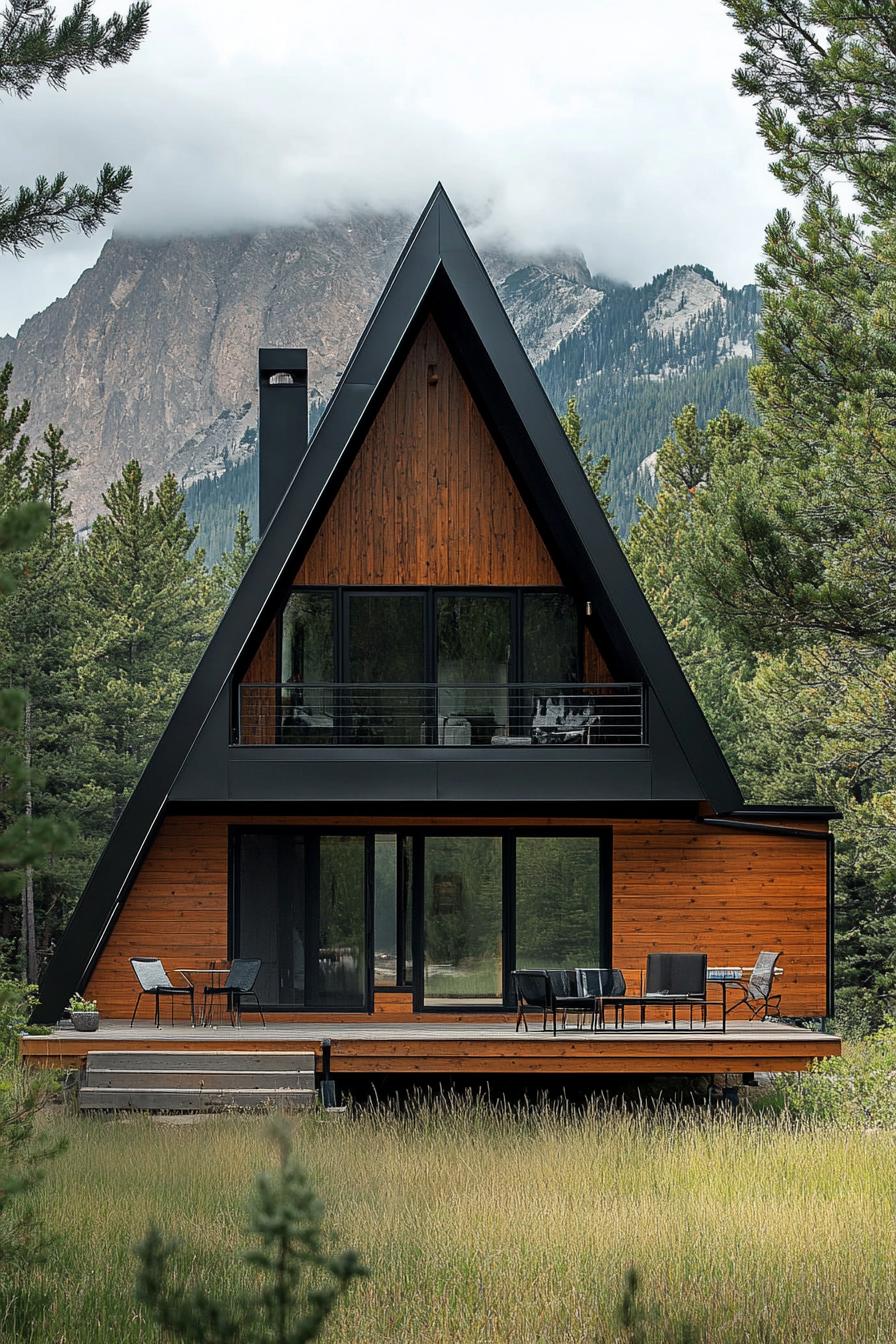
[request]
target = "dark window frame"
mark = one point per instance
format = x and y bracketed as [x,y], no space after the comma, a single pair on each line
[416,834]
[311,917]
[430,595]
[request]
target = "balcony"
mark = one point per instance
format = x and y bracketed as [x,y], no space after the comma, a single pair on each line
[472,714]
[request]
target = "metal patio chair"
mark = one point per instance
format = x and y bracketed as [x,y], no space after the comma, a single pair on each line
[153,979]
[533,990]
[756,992]
[605,986]
[568,999]
[678,978]
[239,985]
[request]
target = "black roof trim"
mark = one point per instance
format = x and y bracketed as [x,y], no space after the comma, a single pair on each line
[438,247]
[808,812]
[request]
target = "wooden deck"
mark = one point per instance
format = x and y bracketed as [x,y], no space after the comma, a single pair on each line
[443,1048]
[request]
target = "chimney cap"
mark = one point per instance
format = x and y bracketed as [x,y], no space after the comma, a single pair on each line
[272,359]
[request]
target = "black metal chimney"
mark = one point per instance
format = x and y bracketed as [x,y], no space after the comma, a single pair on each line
[282,425]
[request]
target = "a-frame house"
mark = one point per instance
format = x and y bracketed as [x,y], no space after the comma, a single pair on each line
[438,734]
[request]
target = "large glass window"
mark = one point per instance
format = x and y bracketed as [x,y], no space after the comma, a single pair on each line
[300,908]
[462,920]
[385,912]
[338,967]
[386,666]
[391,646]
[473,662]
[557,901]
[550,638]
[270,876]
[307,666]
[392,911]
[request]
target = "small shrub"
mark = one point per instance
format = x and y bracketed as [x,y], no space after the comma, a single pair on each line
[856,1089]
[285,1216]
[77,1004]
[639,1325]
[17,1001]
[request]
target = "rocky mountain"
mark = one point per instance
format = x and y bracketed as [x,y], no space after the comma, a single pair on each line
[644,353]
[152,352]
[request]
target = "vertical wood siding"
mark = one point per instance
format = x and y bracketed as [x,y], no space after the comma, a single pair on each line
[428,498]
[677,886]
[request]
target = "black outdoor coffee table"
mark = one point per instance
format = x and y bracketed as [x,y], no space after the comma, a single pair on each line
[645,1001]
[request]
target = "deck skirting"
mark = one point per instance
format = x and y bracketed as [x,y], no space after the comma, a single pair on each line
[448,1049]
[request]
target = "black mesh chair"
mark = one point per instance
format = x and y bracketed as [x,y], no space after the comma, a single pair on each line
[533,991]
[567,998]
[605,987]
[153,980]
[756,992]
[239,985]
[678,978]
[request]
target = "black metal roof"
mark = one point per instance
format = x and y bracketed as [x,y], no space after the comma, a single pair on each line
[438,271]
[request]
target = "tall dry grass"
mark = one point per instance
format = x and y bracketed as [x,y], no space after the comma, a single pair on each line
[489,1224]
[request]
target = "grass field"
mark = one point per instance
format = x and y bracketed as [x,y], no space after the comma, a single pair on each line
[488,1225]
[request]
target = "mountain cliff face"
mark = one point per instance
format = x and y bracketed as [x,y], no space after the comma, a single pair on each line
[152,354]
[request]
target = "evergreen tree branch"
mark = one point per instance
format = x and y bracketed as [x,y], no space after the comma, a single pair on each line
[33,47]
[50,208]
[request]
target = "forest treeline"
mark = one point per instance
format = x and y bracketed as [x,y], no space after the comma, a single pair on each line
[97,640]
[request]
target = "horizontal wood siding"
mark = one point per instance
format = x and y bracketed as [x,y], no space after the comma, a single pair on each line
[677,886]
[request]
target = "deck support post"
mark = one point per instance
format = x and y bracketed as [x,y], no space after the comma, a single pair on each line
[327,1085]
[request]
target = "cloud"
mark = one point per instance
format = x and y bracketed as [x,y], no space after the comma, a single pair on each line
[609,126]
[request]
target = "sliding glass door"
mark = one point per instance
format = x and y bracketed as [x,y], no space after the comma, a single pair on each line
[473,666]
[557,909]
[299,902]
[463,896]
[332,915]
[337,965]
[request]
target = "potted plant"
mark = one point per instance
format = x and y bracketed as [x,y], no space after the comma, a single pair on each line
[83,1013]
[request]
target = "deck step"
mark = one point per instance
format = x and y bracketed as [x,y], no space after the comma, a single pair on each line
[222,1078]
[191,1098]
[273,1061]
[196,1080]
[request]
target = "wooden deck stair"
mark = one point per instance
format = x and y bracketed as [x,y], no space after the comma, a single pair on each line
[181,1080]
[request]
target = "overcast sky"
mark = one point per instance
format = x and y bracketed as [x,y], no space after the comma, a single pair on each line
[607,124]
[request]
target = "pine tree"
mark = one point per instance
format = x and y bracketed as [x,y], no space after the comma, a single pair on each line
[788,554]
[233,564]
[36,645]
[594,468]
[658,549]
[285,1218]
[22,519]
[34,47]
[143,616]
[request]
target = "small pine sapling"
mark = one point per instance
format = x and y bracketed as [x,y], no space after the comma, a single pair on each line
[286,1218]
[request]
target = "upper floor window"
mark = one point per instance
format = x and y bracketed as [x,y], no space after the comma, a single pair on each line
[453,666]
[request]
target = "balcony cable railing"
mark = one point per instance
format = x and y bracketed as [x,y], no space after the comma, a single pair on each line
[468,714]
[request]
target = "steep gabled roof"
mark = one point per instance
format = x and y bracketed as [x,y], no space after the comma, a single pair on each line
[438,270]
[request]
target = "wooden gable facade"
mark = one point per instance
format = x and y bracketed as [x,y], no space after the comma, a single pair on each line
[439,471]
